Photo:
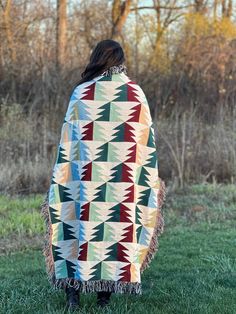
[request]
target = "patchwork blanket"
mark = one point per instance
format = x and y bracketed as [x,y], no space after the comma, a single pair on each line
[103,208]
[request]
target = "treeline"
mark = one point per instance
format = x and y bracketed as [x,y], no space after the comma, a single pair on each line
[182,53]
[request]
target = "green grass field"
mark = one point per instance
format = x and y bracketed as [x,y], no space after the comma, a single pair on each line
[194,270]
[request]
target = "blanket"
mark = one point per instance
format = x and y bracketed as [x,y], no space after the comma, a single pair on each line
[103,209]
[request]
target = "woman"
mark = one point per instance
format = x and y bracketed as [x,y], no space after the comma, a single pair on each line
[103,207]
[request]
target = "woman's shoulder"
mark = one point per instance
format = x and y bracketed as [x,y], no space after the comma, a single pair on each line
[138,89]
[79,89]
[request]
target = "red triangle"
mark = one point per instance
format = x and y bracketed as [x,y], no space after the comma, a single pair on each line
[135,115]
[121,254]
[88,133]
[128,134]
[89,92]
[130,194]
[87,174]
[128,236]
[83,253]
[126,176]
[85,213]
[132,154]
[124,213]
[131,92]
[126,274]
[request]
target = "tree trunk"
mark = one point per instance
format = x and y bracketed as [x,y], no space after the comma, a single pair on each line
[229,9]
[136,42]
[11,46]
[159,33]
[223,8]
[199,5]
[120,12]
[61,30]
[215,6]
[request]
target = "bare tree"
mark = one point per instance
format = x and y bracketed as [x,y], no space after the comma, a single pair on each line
[10,44]
[200,5]
[61,32]
[9,34]
[229,9]
[215,6]
[226,8]
[223,8]
[120,11]
[166,14]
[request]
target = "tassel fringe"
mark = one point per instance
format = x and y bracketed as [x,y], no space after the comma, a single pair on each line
[47,247]
[99,285]
[159,228]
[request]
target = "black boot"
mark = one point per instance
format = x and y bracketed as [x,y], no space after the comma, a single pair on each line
[103,298]
[72,297]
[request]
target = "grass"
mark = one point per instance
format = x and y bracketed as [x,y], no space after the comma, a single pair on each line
[20,215]
[20,223]
[194,270]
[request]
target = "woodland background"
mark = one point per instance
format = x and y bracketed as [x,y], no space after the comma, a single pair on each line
[182,53]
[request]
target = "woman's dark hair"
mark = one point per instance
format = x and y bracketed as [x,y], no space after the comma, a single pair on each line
[106,54]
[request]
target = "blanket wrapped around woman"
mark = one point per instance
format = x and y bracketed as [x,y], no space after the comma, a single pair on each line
[103,210]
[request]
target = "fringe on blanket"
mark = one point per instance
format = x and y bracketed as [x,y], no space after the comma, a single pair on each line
[158,229]
[82,286]
[99,285]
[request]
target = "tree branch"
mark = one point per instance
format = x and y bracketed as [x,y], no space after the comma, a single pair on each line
[162,7]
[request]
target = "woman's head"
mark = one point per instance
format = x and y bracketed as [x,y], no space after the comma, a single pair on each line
[106,54]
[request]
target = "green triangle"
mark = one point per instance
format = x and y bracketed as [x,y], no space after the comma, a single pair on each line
[61,156]
[65,196]
[112,153]
[117,77]
[151,138]
[92,254]
[100,92]
[143,200]
[110,196]
[152,160]
[104,115]
[54,216]
[94,214]
[61,269]
[99,132]
[97,271]
[101,193]
[102,154]
[112,252]
[115,113]
[97,172]
[106,272]
[54,194]
[117,174]
[105,78]
[119,135]
[98,235]
[108,233]
[56,254]
[60,232]
[143,178]
[115,213]
[121,94]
